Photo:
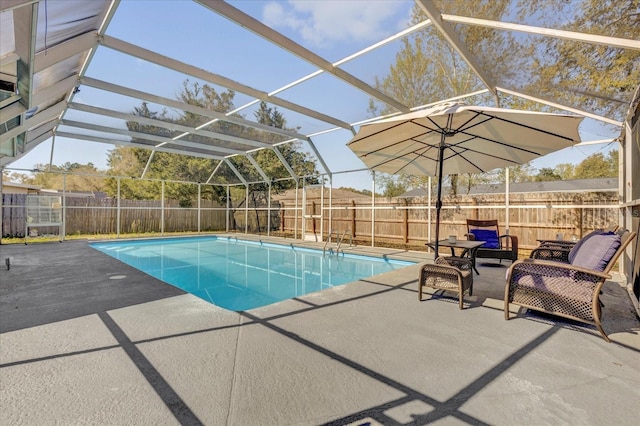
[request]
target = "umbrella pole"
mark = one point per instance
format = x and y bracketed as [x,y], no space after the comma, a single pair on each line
[439,199]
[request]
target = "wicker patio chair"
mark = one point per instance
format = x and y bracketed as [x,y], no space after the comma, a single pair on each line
[568,290]
[497,246]
[447,273]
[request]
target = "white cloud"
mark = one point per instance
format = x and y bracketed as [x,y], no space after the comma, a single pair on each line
[326,22]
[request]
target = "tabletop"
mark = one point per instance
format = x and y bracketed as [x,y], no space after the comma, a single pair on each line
[463,244]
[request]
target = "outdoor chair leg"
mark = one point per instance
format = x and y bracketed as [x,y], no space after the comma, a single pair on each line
[601,330]
[506,307]
[597,312]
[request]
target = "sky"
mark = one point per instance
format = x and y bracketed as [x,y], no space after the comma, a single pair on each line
[183,30]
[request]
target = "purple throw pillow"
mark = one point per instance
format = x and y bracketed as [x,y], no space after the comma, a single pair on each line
[596,252]
[574,250]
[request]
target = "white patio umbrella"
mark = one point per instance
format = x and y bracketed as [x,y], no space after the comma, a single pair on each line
[455,138]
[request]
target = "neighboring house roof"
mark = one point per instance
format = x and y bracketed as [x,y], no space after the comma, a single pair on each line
[20,185]
[576,185]
[91,194]
[9,187]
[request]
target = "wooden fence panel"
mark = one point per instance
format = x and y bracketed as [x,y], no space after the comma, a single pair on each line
[397,220]
[14,215]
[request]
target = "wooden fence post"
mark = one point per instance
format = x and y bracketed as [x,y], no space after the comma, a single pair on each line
[313,217]
[353,219]
[283,211]
[474,201]
[406,221]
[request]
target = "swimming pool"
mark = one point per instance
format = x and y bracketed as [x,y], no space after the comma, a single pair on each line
[240,274]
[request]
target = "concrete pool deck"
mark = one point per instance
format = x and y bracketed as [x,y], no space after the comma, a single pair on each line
[85,339]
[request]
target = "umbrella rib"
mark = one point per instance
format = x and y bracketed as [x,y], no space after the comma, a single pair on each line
[395,143]
[461,127]
[472,136]
[456,153]
[417,154]
[526,126]
[440,129]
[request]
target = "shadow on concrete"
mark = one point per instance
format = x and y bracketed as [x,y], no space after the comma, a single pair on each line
[51,282]
[48,284]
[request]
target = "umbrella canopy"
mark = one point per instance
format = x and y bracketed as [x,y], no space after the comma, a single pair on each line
[455,138]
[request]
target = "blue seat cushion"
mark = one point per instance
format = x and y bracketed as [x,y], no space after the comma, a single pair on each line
[597,251]
[488,235]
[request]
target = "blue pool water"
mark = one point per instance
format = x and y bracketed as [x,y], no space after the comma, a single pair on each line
[240,275]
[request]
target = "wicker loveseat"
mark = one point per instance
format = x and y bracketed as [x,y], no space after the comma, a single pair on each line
[565,282]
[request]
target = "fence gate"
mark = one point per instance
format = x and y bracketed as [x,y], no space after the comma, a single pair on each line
[43,211]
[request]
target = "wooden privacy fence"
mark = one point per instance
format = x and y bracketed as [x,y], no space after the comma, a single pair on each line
[406,221]
[14,215]
[398,221]
[96,216]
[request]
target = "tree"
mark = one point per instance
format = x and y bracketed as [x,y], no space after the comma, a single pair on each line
[519,173]
[15,177]
[565,170]
[598,166]
[68,176]
[357,191]
[546,174]
[427,69]
[469,180]
[563,69]
[300,162]
[127,161]
[392,185]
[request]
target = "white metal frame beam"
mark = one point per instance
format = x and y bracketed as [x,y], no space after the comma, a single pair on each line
[12,111]
[38,134]
[151,138]
[319,157]
[214,171]
[33,138]
[547,32]
[285,163]
[237,173]
[165,125]
[361,52]
[172,103]
[25,23]
[49,114]
[7,5]
[271,35]
[258,168]
[560,106]
[434,14]
[131,144]
[170,63]
[55,91]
